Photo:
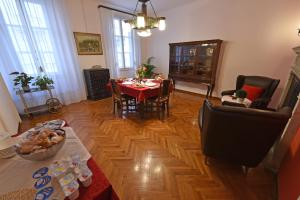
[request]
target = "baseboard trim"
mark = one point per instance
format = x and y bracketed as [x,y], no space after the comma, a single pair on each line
[195,94]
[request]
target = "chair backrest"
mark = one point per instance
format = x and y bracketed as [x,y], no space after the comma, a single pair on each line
[164,88]
[115,89]
[268,84]
[240,135]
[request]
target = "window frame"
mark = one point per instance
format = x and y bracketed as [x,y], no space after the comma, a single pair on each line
[131,39]
[31,36]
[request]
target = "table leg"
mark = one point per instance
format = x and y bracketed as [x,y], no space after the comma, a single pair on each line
[142,109]
[208,91]
[25,104]
[50,92]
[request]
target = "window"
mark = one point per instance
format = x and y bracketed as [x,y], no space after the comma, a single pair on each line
[124,44]
[29,34]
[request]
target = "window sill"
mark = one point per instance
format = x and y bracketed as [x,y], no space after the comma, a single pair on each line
[125,69]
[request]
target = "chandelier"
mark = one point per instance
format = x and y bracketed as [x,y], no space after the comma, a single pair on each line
[144,23]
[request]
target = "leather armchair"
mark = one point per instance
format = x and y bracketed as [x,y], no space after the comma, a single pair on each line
[268,84]
[241,136]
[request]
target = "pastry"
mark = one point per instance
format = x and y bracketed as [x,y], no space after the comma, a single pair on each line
[56,139]
[26,148]
[40,140]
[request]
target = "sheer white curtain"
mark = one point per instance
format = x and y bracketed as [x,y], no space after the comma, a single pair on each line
[35,34]
[111,48]
[107,22]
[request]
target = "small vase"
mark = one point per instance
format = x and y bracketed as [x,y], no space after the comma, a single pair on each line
[26,88]
[140,80]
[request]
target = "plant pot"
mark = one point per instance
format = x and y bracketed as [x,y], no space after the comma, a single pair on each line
[43,87]
[26,88]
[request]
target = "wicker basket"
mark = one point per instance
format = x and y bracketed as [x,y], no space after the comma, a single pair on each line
[45,153]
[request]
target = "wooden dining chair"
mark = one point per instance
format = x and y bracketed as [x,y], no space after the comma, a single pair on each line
[161,102]
[121,100]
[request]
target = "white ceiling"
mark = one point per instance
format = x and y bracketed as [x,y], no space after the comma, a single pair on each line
[159,5]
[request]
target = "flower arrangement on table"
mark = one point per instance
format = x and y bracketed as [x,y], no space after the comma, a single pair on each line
[145,70]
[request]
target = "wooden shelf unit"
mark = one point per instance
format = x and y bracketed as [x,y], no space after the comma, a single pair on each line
[195,61]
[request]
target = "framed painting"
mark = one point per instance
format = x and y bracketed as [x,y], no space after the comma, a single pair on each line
[88,43]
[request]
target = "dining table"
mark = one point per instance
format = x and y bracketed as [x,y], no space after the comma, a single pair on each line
[16,172]
[140,90]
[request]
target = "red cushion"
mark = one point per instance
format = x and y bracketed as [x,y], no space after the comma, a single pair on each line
[253,92]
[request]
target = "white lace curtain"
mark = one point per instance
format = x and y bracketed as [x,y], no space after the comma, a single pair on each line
[35,34]
[111,47]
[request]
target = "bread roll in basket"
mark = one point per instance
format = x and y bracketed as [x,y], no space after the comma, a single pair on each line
[41,144]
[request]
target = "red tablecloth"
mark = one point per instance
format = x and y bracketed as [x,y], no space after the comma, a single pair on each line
[100,189]
[139,93]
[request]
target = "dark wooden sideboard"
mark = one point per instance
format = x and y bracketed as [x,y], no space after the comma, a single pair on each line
[195,61]
[96,83]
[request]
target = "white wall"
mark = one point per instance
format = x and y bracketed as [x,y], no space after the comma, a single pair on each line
[258,37]
[9,116]
[84,17]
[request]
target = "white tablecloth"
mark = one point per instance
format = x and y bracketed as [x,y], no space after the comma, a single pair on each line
[16,173]
[229,98]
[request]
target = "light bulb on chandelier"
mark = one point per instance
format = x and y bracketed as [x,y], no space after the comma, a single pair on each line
[162,23]
[143,23]
[140,21]
[144,33]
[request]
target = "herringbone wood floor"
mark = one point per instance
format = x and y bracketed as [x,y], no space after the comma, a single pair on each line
[161,160]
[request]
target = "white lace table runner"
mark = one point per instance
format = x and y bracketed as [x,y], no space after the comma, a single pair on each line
[16,173]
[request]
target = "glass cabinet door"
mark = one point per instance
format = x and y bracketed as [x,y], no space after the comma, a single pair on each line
[188,59]
[175,59]
[204,61]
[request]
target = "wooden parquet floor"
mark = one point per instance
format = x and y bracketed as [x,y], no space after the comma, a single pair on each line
[151,159]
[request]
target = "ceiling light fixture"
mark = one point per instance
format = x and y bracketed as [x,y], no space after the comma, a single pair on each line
[144,23]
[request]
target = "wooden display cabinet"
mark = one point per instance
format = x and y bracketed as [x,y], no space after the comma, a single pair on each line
[195,62]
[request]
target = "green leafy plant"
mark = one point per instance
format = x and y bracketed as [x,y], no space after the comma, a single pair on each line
[43,82]
[146,69]
[149,68]
[241,94]
[22,78]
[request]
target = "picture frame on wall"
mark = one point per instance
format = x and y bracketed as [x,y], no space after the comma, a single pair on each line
[88,43]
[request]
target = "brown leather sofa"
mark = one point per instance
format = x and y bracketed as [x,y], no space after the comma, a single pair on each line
[268,84]
[241,136]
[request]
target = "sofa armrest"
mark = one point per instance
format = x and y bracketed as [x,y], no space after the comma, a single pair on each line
[285,110]
[260,103]
[228,92]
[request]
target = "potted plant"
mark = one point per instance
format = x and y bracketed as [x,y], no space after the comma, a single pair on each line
[241,95]
[43,82]
[148,68]
[145,70]
[23,79]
